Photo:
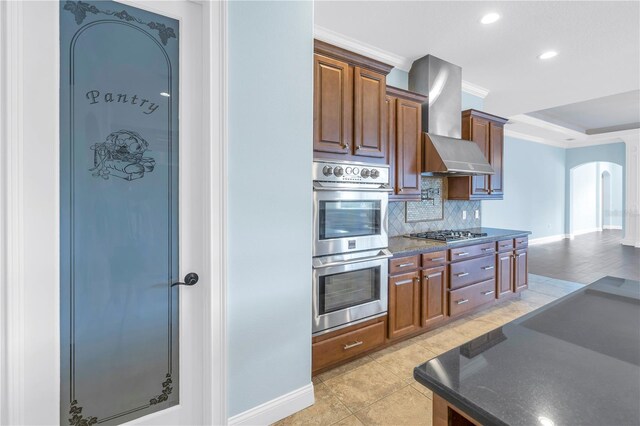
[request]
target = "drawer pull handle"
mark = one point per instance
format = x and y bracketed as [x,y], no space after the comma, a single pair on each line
[352,345]
[462,274]
[403,282]
[462,302]
[488,249]
[404,265]
[487,268]
[486,293]
[506,245]
[464,253]
[436,259]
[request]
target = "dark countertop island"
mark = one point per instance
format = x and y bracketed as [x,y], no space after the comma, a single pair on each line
[401,246]
[575,361]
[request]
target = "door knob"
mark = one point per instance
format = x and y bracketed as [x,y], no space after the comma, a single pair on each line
[190,279]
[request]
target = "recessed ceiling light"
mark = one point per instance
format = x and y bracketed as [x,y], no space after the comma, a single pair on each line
[548,55]
[490,18]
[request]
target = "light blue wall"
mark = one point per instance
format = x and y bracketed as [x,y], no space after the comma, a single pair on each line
[613,153]
[534,190]
[398,78]
[472,102]
[269,209]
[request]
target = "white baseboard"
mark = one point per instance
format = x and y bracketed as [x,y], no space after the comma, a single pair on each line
[630,242]
[584,231]
[549,239]
[611,227]
[276,409]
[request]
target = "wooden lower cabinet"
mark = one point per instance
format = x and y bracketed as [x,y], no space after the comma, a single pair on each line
[504,273]
[404,304]
[434,295]
[520,270]
[335,347]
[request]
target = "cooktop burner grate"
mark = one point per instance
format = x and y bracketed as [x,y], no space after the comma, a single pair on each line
[448,235]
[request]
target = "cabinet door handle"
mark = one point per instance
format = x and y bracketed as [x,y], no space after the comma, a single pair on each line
[358,147]
[436,259]
[462,302]
[404,265]
[462,274]
[403,282]
[486,293]
[488,249]
[352,345]
[464,253]
[344,146]
[520,255]
[487,268]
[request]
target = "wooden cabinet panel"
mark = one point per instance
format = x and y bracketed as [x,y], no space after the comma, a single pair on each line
[408,147]
[496,158]
[399,265]
[343,344]
[480,135]
[504,273]
[436,258]
[471,271]
[470,297]
[434,295]
[467,252]
[370,139]
[504,245]
[390,105]
[404,304]
[520,243]
[332,109]
[520,270]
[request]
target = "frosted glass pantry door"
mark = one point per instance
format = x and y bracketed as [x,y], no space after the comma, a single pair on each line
[121,141]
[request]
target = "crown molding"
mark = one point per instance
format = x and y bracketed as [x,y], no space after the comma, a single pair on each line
[536,139]
[474,89]
[400,62]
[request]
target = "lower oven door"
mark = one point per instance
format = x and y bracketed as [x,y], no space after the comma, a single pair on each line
[348,288]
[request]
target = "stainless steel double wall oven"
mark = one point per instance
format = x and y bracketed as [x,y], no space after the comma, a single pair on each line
[350,243]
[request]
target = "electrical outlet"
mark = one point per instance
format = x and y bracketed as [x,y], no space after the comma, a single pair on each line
[477,214]
[464,214]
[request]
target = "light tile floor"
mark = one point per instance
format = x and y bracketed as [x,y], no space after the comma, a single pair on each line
[379,389]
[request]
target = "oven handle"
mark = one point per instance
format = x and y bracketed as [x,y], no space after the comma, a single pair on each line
[317,186]
[318,264]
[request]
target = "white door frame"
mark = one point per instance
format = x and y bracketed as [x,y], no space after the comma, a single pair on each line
[14,216]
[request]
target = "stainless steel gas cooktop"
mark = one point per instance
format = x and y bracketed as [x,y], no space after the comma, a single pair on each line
[448,235]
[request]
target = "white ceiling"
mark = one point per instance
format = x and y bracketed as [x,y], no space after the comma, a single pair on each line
[598,45]
[595,116]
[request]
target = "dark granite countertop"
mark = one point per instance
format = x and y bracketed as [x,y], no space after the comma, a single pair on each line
[404,246]
[575,361]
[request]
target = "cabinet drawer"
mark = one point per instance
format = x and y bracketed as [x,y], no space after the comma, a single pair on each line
[462,253]
[437,258]
[347,345]
[404,264]
[471,271]
[504,245]
[520,243]
[465,299]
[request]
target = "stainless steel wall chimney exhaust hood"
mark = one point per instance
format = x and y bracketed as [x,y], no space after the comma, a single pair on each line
[445,153]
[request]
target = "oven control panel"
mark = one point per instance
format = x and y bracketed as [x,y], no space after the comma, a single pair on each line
[337,171]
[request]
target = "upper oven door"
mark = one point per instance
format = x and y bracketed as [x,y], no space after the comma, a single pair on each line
[349,221]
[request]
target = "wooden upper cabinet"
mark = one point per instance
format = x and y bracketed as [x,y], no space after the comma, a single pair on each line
[390,110]
[370,138]
[487,131]
[479,133]
[332,110]
[496,159]
[349,106]
[404,121]
[408,147]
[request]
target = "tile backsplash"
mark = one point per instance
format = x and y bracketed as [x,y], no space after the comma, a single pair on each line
[433,214]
